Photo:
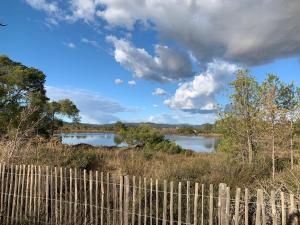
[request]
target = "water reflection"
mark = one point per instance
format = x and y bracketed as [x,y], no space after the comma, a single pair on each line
[195,143]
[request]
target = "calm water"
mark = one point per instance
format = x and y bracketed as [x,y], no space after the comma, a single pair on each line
[195,143]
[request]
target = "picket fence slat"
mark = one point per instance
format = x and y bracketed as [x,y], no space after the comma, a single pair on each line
[57,195]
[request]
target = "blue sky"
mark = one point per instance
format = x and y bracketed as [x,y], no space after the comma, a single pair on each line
[148,60]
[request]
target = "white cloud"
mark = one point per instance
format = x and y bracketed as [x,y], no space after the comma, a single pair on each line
[83,9]
[199,95]
[119,81]
[155,106]
[50,7]
[69,44]
[180,117]
[132,82]
[250,32]
[93,107]
[90,42]
[166,66]
[247,31]
[159,92]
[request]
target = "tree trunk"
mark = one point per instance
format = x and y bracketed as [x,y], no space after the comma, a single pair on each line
[273,155]
[292,145]
[250,150]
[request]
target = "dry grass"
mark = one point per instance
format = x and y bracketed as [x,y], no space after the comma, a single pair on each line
[203,168]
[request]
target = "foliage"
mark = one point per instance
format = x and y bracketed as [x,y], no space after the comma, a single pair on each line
[145,137]
[260,118]
[22,90]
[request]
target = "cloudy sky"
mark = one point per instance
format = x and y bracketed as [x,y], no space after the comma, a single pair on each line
[150,60]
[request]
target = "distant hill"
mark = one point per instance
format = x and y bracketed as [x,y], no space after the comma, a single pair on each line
[182,129]
[155,125]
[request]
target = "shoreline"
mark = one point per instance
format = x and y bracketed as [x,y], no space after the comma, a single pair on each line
[165,133]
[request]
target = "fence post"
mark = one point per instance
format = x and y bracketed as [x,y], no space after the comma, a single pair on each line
[15,194]
[75,195]
[85,197]
[211,204]
[283,211]
[55,193]
[70,195]
[151,201]
[102,198]
[237,206]
[292,207]
[196,203]
[39,191]
[126,200]
[107,199]
[171,203]
[202,204]
[246,206]
[9,193]
[133,200]
[96,199]
[115,199]
[18,192]
[145,201]
[34,193]
[188,213]
[60,194]
[258,207]
[273,208]
[6,181]
[264,219]
[179,203]
[140,203]
[227,205]
[121,200]
[156,201]
[91,197]
[222,204]
[165,204]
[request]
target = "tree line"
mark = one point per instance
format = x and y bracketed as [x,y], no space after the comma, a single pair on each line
[24,106]
[261,118]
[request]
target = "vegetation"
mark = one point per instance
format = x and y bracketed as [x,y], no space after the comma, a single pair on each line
[186,130]
[144,137]
[24,106]
[260,118]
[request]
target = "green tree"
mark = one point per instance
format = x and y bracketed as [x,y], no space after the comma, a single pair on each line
[239,121]
[277,102]
[20,87]
[21,91]
[63,108]
[144,137]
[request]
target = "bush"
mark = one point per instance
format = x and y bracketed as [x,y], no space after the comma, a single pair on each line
[147,138]
[81,160]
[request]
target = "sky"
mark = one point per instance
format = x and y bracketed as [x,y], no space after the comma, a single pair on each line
[156,61]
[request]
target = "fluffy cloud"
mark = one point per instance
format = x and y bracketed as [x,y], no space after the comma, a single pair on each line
[159,92]
[247,31]
[50,7]
[132,82]
[93,107]
[167,65]
[199,95]
[180,117]
[244,31]
[119,81]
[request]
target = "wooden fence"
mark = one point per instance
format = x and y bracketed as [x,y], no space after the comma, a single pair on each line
[52,195]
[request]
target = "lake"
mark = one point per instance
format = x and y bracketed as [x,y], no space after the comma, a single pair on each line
[195,143]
